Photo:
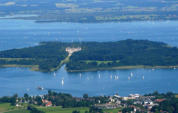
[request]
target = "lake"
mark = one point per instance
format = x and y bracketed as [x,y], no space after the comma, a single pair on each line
[25,33]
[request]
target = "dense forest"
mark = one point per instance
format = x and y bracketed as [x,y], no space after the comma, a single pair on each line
[95,55]
[49,56]
[46,56]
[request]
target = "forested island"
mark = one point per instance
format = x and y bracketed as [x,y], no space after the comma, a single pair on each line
[92,56]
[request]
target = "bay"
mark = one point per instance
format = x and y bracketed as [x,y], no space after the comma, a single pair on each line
[25,33]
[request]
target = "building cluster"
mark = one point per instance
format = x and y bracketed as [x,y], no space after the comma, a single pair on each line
[72,50]
[137,102]
[47,103]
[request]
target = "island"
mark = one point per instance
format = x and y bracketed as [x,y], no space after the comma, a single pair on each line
[92,56]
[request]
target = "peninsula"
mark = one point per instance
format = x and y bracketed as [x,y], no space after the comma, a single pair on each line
[92,56]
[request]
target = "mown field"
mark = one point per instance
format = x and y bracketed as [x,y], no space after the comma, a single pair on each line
[7,108]
[62,110]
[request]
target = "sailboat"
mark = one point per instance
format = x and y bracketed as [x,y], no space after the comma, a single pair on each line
[174,68]
[111,76]
[40,88]
[116,77]
[143,77]
[54,74]
[62,82]
[131,74]
[99,76]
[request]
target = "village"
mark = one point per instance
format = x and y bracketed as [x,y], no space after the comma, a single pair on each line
[134,103]
[137,103]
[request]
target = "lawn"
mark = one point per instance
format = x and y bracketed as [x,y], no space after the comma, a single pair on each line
[19,111]
[62,110]
[177,96]
[100,62]
[6,107]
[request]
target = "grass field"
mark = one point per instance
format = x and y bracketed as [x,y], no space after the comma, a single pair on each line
[100,62]
[62,110]
[112,110]
[18,111]
[176,96]
[15,59]
[6,107]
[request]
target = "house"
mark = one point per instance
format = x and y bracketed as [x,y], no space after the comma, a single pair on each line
[159,100]
[47,103]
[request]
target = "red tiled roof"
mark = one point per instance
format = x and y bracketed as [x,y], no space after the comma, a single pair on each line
[49,103]
[160,100]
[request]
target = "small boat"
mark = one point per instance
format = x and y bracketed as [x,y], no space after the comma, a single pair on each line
[129,78]
[40,88]
[80,75]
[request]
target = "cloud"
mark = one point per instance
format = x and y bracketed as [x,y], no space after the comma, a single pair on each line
[7,4]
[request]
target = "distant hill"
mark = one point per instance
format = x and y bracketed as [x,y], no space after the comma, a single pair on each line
[91,10]
[50,56]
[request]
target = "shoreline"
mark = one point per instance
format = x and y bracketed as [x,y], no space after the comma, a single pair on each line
[35,68]
[31,67]
[123,68]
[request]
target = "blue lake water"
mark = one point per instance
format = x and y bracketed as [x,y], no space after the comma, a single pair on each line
[24,33]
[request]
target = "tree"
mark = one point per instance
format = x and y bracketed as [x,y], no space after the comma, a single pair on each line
[32,109]
[13,100]
[38,100]
[95,110]
[75,111]
[26,96]
[85,96]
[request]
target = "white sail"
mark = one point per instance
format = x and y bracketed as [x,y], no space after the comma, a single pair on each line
[111,76]
[143,77]
[131,74]
[54,74]
[62,82]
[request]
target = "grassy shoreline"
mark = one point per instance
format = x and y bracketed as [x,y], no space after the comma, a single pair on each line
[32,67]
[35,68]
[124,67]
